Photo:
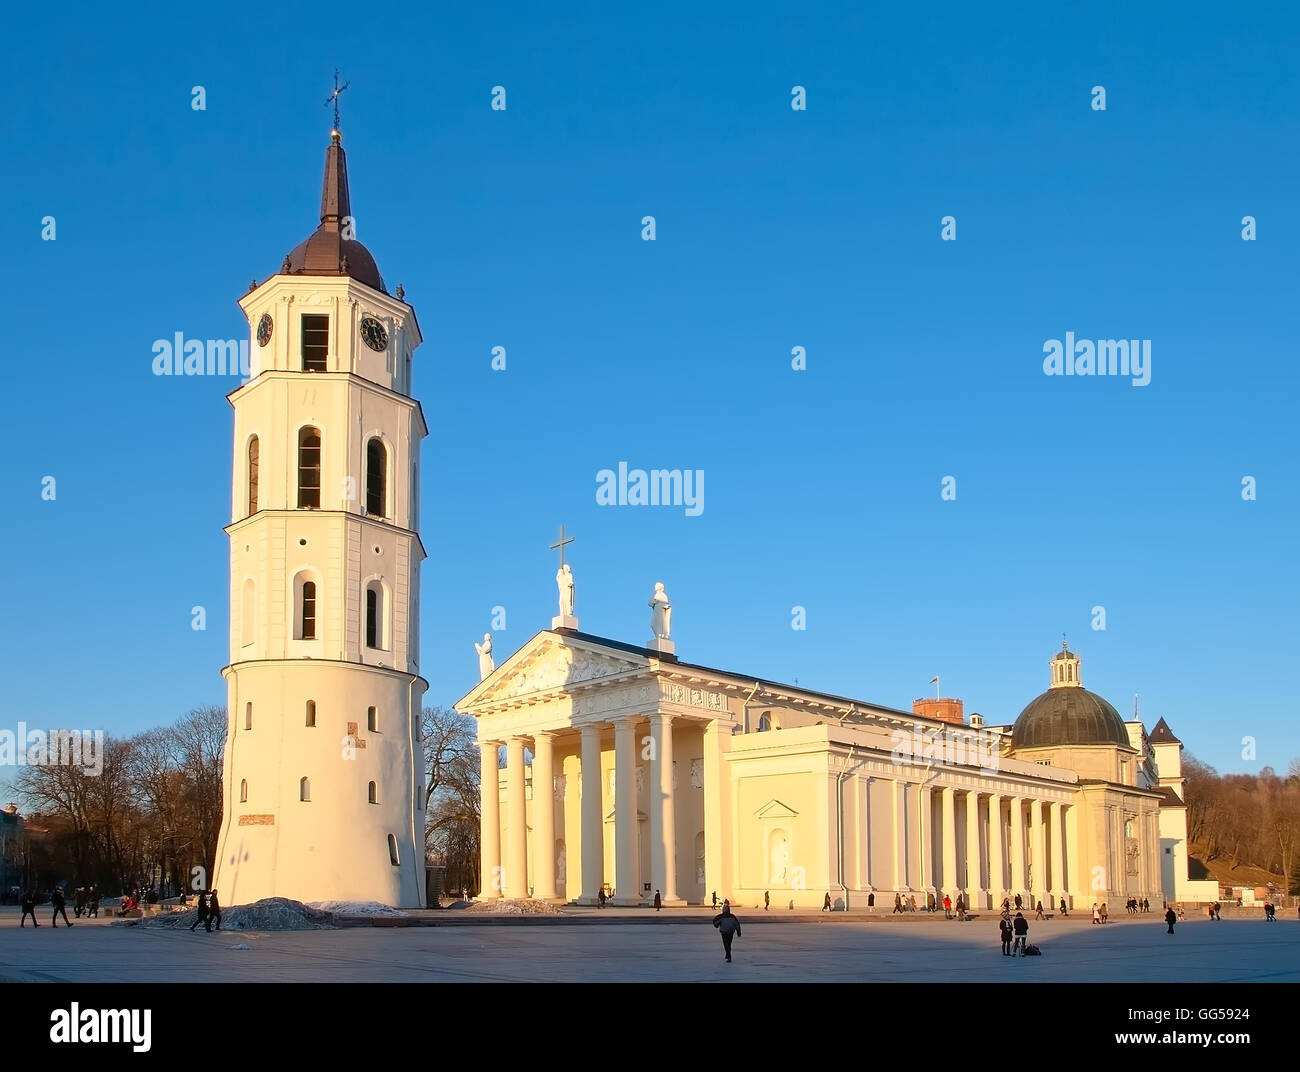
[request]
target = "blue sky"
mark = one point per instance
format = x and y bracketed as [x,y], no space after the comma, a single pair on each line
[775,229]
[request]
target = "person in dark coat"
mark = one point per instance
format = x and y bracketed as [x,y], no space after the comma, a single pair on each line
[715,898]
[1004,928]
[600,898]
[1064,913]
[60,905]
[767,900]
[1021,926]
[214,909]
[202,916]
[1019,904]
[729,927]
[826,904]
[1171,917]
[898,903]
[29,909]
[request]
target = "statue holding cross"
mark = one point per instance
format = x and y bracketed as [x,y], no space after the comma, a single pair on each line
[564,580]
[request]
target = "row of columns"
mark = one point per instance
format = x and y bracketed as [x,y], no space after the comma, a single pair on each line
[984,842]
[512,879]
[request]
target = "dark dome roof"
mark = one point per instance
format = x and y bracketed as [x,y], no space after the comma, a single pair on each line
[1068,715]
[326,251]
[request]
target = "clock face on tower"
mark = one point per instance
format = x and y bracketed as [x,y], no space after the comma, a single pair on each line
[264,328]
[374,333]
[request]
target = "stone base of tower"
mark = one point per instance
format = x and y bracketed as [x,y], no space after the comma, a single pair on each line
[326,809]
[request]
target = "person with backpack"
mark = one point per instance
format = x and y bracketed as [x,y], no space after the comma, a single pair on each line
[728,926]
[1021,928]
[60,905]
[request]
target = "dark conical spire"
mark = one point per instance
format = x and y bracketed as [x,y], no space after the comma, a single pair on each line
[334,201]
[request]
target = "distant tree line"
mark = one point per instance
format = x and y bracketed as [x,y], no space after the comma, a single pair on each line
[146,820]
[1247,819]
[154,813]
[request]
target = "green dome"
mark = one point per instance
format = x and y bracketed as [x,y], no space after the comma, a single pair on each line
[1069,715]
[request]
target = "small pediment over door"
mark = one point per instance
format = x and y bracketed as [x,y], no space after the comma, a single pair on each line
[774,809]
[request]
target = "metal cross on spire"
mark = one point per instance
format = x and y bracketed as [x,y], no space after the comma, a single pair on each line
[559,544]
[333,99]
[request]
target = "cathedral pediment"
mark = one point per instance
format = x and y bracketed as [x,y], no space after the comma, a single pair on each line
[550,663]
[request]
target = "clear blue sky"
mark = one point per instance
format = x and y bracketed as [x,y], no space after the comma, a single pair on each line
[776,229]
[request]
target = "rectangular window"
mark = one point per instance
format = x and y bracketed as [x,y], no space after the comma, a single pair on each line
[315,341]
[372,719]
[372,618]
[309,610]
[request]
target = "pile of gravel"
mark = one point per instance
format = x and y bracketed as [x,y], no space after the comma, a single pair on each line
[523,906]
[270,914]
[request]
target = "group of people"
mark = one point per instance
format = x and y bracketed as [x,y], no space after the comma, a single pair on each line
[1016,930]
[1133,906]
[209,910]
[1270,912]
[1099,912]
[85,900]
[58,901]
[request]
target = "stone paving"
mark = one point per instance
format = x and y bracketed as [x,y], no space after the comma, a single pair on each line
[672,946]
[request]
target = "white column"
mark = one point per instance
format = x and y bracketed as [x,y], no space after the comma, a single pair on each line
[926,810]
[949,836]
[900,835]
[625,846]
[543,816]
[1017,847]
[663,824]
[490,821]
[516,821]
[974,888]
[1059,886]
[864,841]
[997,864]
[593,833]
[1040,890]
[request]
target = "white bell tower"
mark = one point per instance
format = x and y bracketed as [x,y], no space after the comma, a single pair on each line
[323,769]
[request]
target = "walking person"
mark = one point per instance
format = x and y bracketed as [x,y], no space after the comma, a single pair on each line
[60,905]
[202,916]
[729,926]
[1104,915]
[600,897]
[29,909]
[1064,912]
[658,901]
[826,904]
[947,907]
[1004,929]
[214,910]
[1039,914]
[898,904]
[1096,912]
[715,898]
[1021,926]
[1171,917]
[767,900]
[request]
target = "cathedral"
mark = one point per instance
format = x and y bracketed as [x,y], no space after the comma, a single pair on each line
[650,775]
[628,772]
[322,785]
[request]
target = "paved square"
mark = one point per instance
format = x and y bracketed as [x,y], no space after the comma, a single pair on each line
[677,947]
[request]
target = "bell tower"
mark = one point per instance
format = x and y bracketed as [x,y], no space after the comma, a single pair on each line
[323,786]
